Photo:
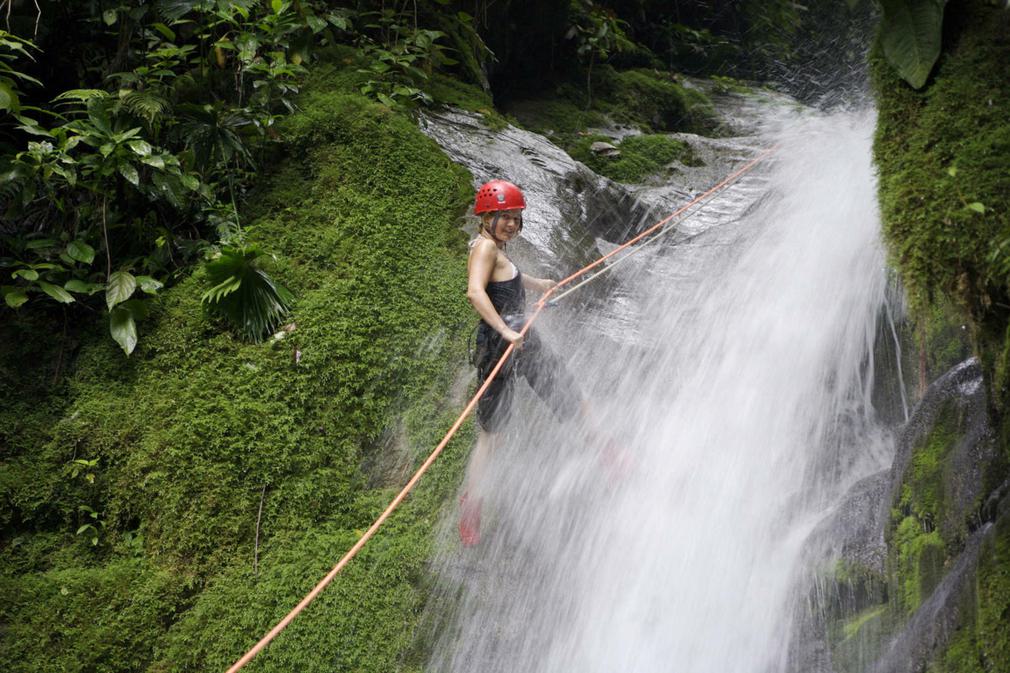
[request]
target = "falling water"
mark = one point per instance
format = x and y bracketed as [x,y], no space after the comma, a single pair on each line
[738,386]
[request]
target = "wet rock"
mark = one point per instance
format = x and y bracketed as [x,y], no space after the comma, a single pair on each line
[945,462]
[849,547]
[956,404]
[569,206]
[604,149]
[931,629]
[856,529]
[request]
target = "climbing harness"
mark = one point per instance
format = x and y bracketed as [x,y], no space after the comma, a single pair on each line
[547,299]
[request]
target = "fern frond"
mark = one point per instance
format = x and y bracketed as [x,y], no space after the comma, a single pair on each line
[143,104]
[81,95]
[173,10]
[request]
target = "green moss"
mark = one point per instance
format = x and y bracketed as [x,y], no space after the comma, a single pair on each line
[993,636]
[86,619]
[943,333]
[196,427]
[939,150]
[640,156]
[917,549]
[649,100]
[922,491]
[917,563]
[557,118]
[855,624]
[654,100]
[450,91]
[982,642]
[961,656]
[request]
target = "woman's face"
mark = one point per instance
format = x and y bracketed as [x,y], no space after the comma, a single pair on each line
[509,223]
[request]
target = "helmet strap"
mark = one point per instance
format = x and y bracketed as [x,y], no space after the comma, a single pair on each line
[494,225]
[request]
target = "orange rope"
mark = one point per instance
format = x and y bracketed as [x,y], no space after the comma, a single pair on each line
[281,625]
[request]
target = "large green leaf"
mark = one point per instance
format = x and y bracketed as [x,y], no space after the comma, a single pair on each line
[15,296]
[245,294]
[149,285]
[910,33]
[121,286]
[123,328]
[57,292]
[81,251]
[82,287]
[8,98]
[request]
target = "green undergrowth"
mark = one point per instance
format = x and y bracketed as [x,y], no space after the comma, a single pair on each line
[640,156]
[944,188]
[651,101]
[157,536]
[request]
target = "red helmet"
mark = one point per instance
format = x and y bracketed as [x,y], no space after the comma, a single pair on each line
[498,195]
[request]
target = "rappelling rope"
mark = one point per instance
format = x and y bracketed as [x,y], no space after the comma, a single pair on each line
[637,249]
[544,300]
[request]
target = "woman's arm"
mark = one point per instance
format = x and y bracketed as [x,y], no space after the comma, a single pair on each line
[540,285]
[481,266]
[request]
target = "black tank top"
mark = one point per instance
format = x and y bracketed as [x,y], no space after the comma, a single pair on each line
[508,296]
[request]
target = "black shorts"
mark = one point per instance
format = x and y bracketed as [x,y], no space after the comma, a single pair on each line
[535,362]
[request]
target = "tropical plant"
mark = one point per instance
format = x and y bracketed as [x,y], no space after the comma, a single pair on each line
[597,33]
[116,187]
[910,34]
[12,48]
[401,58]
[244,293]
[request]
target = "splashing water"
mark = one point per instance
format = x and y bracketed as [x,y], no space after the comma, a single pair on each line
[739,390]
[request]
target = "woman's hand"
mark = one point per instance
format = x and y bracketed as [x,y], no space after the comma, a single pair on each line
[546,285]
[513,337]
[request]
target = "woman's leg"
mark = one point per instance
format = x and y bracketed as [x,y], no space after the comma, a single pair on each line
[476,485]
[479,459]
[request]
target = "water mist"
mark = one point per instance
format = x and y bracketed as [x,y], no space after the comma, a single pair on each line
[737,385]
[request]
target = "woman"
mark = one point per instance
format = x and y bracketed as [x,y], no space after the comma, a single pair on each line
[497,290]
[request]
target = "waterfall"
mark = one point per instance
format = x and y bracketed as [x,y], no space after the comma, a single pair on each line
[735,372]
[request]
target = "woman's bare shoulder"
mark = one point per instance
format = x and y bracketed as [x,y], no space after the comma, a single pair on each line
[483,248]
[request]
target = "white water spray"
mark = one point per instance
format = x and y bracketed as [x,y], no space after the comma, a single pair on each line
[743,406]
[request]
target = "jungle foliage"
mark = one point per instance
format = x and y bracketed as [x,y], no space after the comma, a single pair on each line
[131,131]
[130,489]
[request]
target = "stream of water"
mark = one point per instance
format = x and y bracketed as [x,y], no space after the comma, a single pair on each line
[735,371]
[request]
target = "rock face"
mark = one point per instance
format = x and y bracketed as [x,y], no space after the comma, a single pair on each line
[916,555]
[958,399]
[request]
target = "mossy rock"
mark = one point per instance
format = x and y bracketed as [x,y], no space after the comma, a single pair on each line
[648,100]
[197,430]
[939,151]
[653,98]
[858,640]
[993,634]
[640,157]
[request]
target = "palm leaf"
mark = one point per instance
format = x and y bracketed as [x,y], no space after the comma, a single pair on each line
[245,294]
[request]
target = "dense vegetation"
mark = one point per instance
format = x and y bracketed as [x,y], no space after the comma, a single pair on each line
[139,485]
